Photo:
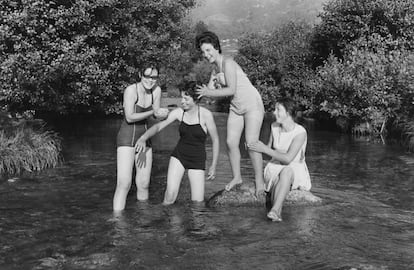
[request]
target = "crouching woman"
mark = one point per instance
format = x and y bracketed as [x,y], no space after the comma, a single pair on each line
[190,153]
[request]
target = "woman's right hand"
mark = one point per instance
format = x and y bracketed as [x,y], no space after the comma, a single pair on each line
[140,145]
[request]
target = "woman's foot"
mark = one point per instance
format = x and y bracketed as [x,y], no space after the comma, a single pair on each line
[233,183]
[274,216]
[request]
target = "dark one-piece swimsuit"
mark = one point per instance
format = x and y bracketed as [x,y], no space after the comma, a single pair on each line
[191,150]
[129,133]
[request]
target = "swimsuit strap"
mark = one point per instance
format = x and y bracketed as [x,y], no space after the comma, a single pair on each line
[136,102]
[182,118]
[199,121]
[221,65]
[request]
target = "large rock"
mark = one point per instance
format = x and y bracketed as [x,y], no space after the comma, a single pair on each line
[243,195]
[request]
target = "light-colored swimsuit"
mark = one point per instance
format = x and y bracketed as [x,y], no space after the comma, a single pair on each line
[281,143]
[246,98]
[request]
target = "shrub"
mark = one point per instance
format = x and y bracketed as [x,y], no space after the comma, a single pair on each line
[367,85]
[26,146]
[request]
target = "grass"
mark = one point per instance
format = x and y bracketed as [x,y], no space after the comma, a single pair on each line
[25,145]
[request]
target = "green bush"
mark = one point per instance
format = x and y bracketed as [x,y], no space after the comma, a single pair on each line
[78,56]
[367,85]
[344,21]
[278,63]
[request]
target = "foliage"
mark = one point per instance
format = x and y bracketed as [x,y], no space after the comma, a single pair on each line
[187,58]
[367,85]
[25,145]
[277,63]
[77,56]
[344,21]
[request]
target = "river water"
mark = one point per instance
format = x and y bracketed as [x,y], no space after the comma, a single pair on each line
[62,218]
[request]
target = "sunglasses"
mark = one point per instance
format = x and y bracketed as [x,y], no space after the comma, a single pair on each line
[155,77]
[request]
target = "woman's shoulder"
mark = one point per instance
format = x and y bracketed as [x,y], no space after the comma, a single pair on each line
[228,60]
[205,112]
[131,87]
[131,90]
[178,111]
[300,129]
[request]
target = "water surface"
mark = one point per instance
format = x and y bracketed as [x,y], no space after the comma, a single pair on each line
[61,218]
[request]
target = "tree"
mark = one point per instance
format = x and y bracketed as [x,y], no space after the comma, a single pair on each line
[77,56]
[344,21]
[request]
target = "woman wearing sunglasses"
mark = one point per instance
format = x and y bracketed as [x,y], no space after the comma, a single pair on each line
[141,101]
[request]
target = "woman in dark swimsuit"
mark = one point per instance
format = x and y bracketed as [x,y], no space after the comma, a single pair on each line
[190,153]
[141,101]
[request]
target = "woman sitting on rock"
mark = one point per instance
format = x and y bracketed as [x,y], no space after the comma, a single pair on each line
[287,169]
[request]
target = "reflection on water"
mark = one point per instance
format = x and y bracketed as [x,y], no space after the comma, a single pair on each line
[62,219]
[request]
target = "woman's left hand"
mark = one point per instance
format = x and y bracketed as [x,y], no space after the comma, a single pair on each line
[140,146]
[257,146]
[211,173]
[202,91]
[161,113]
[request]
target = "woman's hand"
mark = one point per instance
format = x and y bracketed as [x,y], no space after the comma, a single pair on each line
[140,145]
[211,173]
[161,113]
[202,91]
[257,147]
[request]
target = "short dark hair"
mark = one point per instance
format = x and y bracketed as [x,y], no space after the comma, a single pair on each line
[189,89]
[289,104]
[208,37]
[148,65]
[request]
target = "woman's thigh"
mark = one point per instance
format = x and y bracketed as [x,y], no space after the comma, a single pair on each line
[253,124]
[175,174]
[235,125]
[197,180]
[125,157]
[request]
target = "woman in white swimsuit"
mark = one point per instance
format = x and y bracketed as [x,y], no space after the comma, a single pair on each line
[246,107]
[287,169]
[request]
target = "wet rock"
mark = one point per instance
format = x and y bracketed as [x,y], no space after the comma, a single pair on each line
[243,195]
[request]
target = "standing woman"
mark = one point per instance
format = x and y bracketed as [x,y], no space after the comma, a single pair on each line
[246,107]
[141,101]
[196,122]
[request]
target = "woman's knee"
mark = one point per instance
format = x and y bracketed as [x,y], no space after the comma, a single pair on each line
[286,175]
[123,185]
[232,143]
[143,185]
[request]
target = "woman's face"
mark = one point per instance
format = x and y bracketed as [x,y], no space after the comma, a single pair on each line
[209,52]
[149,78]
[280,113]
[187,102]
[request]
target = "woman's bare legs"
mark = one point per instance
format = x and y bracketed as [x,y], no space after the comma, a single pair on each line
[253,123]
[143,165]
[279,192]
[235,125]
[125,162]
[197,180]
[174,177]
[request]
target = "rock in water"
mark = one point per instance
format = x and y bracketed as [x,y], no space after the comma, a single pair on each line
[243,195]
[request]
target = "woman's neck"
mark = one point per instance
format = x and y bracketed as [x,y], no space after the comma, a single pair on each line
[219,61]
[288,125]
[192,110]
